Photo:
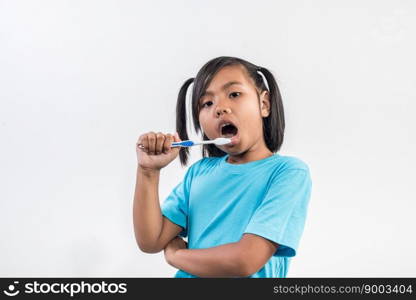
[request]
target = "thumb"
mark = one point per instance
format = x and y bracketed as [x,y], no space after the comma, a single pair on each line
[176,137]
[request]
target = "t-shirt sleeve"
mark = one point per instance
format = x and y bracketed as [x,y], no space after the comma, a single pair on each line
[281,214]
[175,206]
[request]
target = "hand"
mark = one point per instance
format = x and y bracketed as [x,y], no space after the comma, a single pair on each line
[157,152]
[174,245]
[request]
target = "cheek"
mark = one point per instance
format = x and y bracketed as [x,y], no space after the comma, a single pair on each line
[201,120]
[204,123]
[251,110]
[251,119]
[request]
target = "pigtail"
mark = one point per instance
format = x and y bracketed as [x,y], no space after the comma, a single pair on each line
[275,122]
[181,120]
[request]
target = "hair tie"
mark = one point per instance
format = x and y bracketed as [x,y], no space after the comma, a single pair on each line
[263,77]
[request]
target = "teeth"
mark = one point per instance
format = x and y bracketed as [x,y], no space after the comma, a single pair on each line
[225,124]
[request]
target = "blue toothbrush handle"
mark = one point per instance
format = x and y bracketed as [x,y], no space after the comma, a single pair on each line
[187,143]
[183,144]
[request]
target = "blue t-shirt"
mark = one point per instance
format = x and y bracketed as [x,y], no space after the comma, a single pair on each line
[217,202]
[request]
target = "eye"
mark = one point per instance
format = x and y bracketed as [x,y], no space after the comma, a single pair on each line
[203,105]
[235,93]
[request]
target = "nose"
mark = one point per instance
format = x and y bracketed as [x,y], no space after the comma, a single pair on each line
[221,110]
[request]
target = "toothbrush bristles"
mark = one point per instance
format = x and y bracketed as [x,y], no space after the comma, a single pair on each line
[222,141]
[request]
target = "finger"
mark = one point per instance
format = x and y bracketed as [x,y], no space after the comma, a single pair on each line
[160,139]
[168,143]
[143,140]
[151,138]
[139,140]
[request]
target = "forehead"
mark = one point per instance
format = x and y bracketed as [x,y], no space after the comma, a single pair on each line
[236,73]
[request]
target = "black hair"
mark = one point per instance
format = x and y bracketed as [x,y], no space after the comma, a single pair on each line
[273,124]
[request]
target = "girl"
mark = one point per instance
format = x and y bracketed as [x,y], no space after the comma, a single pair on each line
[242,206]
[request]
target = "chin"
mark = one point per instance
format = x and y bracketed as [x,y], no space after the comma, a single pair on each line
[234,149]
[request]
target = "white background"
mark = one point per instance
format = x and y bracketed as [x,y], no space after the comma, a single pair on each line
[81,80]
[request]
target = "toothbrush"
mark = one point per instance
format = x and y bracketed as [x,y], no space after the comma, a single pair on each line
[189,143]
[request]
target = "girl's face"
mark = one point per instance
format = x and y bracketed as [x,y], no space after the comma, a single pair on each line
[232,97]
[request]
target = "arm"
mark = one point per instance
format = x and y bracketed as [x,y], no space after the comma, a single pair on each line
[240,259]
[152,230]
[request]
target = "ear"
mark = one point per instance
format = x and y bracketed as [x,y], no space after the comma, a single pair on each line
[265,104]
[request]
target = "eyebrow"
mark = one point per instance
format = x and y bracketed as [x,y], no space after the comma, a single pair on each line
[224,87]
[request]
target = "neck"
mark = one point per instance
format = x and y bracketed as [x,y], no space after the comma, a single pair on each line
[256,152]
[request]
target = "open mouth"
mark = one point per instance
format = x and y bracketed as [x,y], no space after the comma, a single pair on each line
[228,130]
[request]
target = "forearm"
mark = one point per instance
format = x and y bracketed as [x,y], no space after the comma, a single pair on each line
[147,216]
[220,261]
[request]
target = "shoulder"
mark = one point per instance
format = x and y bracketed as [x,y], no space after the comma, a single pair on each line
[292,176]
[287,162]
[291,167]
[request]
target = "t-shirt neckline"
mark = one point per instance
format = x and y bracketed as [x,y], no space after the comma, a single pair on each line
[245,166]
